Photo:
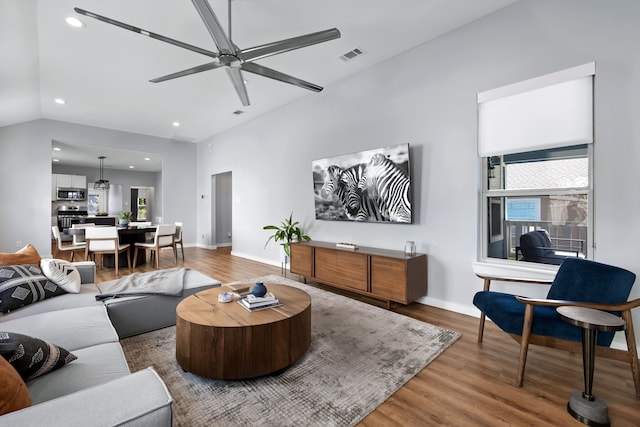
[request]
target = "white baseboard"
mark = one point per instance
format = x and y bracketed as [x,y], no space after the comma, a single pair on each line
[200,245]
[257,259]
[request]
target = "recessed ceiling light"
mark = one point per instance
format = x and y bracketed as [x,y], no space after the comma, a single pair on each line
[56,160]
[131,167]
[57,149]
[176,124]
[60,101]
[74,22]
[147,158]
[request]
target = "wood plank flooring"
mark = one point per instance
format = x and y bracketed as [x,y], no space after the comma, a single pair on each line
[469,384]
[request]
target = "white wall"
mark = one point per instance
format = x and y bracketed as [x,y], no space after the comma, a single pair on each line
[25,183]
[427,97]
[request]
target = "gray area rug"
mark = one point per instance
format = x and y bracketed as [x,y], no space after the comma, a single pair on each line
[359,356]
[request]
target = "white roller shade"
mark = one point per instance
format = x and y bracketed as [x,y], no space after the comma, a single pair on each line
[550,111]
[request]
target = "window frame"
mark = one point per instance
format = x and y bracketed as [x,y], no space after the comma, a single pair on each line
[486,195]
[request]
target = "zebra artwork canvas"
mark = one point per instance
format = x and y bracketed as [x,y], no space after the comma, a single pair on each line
[368,186]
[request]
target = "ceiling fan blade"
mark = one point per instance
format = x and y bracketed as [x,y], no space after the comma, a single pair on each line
[188,71]
[262,51]
[146,33]
[238,82]
[252,67]
[213,25]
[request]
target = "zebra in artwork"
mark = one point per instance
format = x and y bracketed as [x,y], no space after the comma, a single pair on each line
[344,184]
[356,201]
[385,181]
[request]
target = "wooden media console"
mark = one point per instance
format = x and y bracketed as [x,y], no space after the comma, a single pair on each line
[378,273]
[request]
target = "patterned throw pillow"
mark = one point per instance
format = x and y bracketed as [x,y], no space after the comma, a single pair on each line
[62,273]
[32,357]
[22,285]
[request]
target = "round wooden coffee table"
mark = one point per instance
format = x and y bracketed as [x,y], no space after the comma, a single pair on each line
[226,341]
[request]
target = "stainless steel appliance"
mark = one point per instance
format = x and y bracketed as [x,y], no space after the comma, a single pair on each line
[68,215]
[72,194]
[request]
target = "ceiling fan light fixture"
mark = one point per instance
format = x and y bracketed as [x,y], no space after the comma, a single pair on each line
[228,55]
[101,184]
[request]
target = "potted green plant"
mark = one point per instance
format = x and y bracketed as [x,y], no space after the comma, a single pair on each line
[125,217]
[289,231]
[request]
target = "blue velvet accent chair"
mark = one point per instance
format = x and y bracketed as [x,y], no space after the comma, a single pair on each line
[578,282]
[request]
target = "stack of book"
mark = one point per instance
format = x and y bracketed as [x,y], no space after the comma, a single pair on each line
[254,303]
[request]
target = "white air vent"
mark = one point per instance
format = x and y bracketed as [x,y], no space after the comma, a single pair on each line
[238,112]
[352,54]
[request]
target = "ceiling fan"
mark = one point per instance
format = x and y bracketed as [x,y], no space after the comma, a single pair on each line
[229,55]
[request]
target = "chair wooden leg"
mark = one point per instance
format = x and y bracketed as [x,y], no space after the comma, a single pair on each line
[481,328]
[524,344]
[175,253]
[632,349]
[72,254]
[157,252]
[182,249]
[487,285]
[135,256]
[115,256]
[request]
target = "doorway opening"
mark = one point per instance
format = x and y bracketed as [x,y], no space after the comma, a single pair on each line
[221,211]
[142,203]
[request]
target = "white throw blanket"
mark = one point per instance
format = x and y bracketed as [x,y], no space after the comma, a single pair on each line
[161,282]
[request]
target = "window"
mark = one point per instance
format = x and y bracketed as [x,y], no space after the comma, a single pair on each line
[539,190]
[96,201]
[535,141]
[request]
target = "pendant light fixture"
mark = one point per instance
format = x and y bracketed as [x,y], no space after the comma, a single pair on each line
[101,184]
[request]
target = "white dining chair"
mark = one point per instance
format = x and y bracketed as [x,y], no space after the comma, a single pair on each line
[178,238]
[79,238]
[105,240]
[164,238]
[65,248]
[140,224]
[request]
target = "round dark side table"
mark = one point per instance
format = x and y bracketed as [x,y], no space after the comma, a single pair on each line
[584,406]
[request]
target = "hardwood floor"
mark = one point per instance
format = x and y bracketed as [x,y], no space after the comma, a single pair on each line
[469,384]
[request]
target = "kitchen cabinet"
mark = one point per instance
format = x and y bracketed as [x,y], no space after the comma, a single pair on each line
[378,273]
[70,181]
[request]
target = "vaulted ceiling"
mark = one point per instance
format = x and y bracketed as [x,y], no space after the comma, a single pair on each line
[103,72]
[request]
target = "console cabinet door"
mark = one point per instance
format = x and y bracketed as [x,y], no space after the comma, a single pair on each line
[302,260]
[342,268]
[389,278]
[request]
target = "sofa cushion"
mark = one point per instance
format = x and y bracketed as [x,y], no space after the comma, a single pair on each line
[26,255]
[72,329]
[14,393]
[25,284]
[86,298]
[139,314]
[96,365]
[32,357]
[62,273]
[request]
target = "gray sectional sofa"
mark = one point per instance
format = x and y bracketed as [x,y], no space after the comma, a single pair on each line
[97,388]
